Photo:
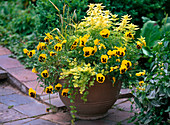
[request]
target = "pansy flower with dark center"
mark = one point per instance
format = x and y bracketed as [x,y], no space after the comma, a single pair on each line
[44,74]
[58,47]
[100,78]
[42,58]
[129,35]
[87,51]
[127,63]
[32,93]
[83,41]
[139,45]
[57,38]
[49,89]
[104,58]
[94,50]
[123,69]
[31,53]
[46,39]
[65,92]
[41,46]
[120,52]
[58,87]
[105,33]
[52,53]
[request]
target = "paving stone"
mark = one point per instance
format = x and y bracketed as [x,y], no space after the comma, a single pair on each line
[60,118]
[4,51]
[56,102]
[19,122]
[3,74]
[4,91]
[9,114]
[117,116]
[39,122]
[32,109]
[95,122]
[125,91]
[126,106]
[16,99]
[120,101]
[22,74]
[33,84]
[6,62]
[126,123]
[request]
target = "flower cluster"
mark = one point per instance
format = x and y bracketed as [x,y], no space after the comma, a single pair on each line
[99,46]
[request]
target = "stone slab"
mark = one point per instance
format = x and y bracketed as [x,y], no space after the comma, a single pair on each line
[6,62]
[19,122]
[56,102]
[4,91]
[33,84]
[40,122]
[95,122]
[16,99]
[3,74]
[117,115]
[120,101]
[60,118]
[126,106]
[9,114]
[32,109]
[4,51]
[22,74]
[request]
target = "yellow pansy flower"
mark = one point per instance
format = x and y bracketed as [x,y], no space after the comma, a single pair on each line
[58,87]
[49,89]
[34,70]
[87,51]
[42,58]
[104,58]
[123,69]
[105,33]
[96,41]
[58,47]
[100,78]
[32,93]
[52,53]
[31,53]
[49,36]
[25,51]
[65,92]
[45,74]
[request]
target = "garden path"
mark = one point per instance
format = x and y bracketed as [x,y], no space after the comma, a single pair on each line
[16,107]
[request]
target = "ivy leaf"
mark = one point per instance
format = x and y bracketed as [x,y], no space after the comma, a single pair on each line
[147,121]
[147,51]
[152,95]
[168,92]
[155,103]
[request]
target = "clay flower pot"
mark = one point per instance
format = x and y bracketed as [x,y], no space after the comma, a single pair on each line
[100,99]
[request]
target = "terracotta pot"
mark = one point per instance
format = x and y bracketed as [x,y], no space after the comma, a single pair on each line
[100,99]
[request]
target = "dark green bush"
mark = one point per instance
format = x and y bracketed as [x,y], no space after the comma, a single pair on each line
[48,18]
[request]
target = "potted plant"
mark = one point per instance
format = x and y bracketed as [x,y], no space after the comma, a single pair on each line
[88,62]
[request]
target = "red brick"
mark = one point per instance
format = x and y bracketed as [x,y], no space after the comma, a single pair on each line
[60,117]
[22,74]
[6,62]
[4,51]
[33,84]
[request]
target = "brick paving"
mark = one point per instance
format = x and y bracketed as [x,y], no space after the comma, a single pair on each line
[18,108]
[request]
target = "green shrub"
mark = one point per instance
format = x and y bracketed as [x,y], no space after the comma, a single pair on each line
[48,18]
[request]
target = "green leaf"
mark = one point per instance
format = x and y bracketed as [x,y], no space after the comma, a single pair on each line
[147,51]
[155,103]
[147,121]
[168,92]
[151,32]
[9,107]
[151,95]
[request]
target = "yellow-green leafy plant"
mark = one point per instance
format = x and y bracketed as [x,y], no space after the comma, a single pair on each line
[100,45]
